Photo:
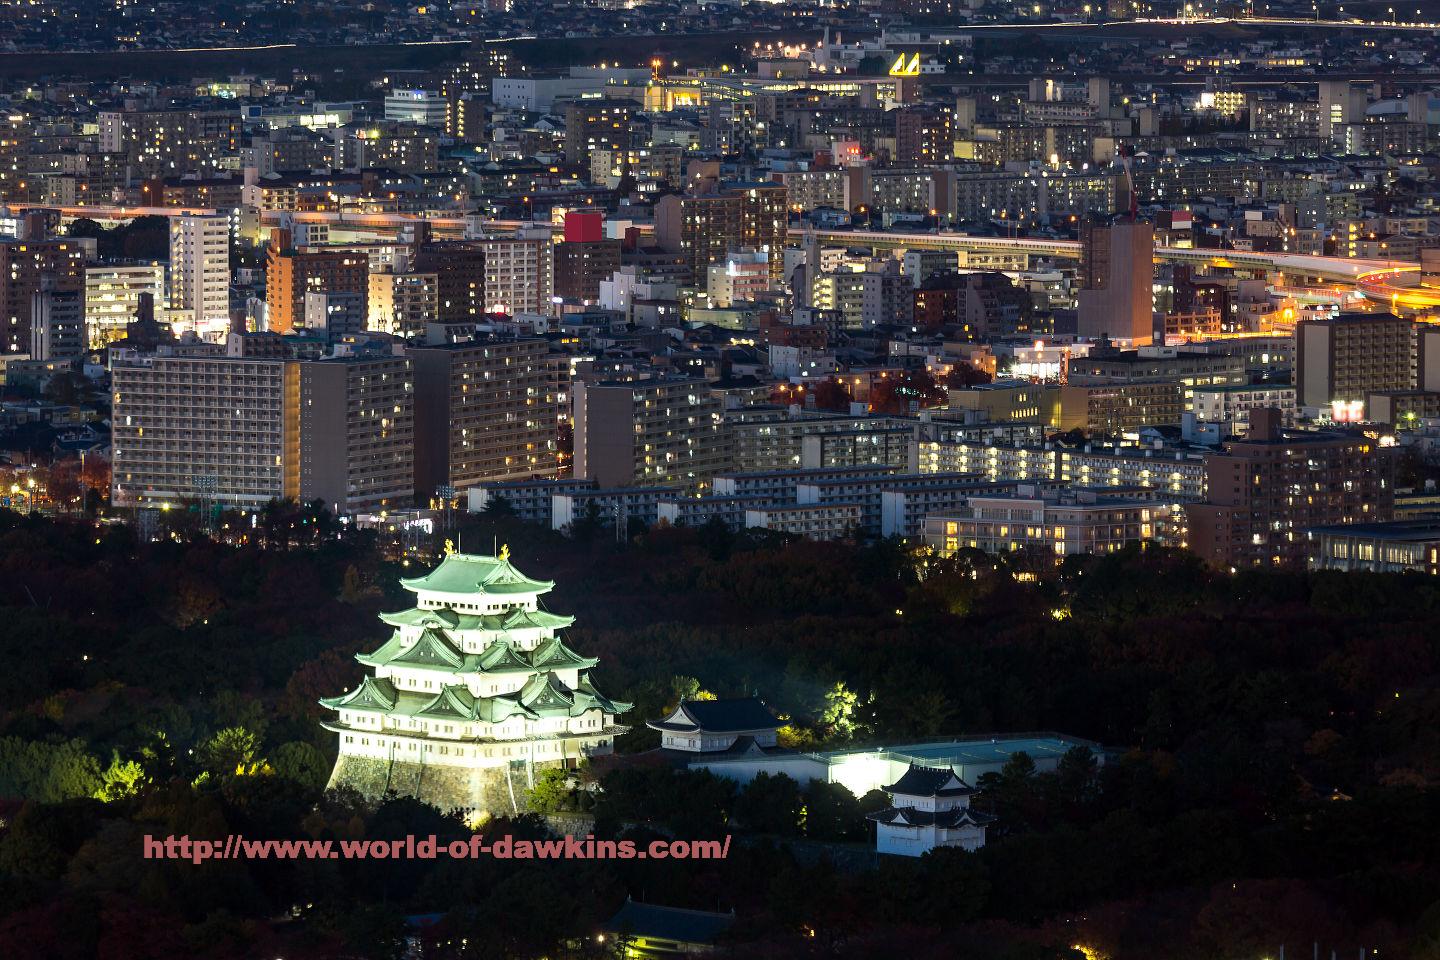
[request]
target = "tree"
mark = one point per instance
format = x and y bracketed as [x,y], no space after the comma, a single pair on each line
[232,751]
[832,812]
[303,763]
[552,791]
[907,390]
[839,716]
[499,506]
[770,804]
[966,375]
[123,778]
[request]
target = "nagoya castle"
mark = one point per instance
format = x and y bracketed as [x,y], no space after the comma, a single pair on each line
[472,691]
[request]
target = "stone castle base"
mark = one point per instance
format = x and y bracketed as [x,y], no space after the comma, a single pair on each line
[497,791]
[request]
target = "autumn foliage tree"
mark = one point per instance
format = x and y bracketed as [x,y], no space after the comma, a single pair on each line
[906,391]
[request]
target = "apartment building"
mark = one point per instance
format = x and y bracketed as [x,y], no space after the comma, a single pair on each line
[704,227]
[1339,360]
[225,427]
[245,430]
[1265,491]
[357,432]
[486,410]
[814,521]
[291,273]
[112,296]
[519,273]
[200,273]
[26,266]
[1051,523]
[648,432]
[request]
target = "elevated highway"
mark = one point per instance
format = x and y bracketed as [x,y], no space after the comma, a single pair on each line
[1391,281]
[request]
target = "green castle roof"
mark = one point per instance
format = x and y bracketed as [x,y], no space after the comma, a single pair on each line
[454,620]
[554,655]
[372,694]
[466,573]
[545,695]
[433,650]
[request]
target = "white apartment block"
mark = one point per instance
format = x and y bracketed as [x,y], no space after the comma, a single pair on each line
[200,273]
[1230,406]
[112,297]
[1062,525]
[815,521]
[519,273]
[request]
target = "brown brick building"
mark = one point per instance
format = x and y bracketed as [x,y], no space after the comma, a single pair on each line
[23,265]
[581,265]
[1266,490]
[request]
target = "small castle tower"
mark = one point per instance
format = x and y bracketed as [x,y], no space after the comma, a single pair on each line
[930,807]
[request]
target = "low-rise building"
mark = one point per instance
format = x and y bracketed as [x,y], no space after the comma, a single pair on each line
[1058,524]
[1400,546]
[814,521]
[714,726]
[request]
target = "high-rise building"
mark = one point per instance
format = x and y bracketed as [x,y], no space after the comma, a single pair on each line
[1117,278]
[659,432]
[485,410]
[1341,103]
[925,134]
[1263,492]
[57,328]
[581,265]
[459,269]
[424,107]
[112,296]
[246,429]
[218,426]
[519,272]
[704,227]
[1341,359]
[15,134]
[403,303]
[357,432]
[171,142]
[24,266]
[597,123]
[291,273]
[200,272]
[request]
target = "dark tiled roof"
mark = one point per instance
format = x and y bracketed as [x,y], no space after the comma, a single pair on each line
[957,817]
[921,781]
[669,923]
[724,716]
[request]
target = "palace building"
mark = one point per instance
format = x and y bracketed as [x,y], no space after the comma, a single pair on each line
[472,691]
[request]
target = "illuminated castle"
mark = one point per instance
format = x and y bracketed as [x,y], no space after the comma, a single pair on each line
[471,692]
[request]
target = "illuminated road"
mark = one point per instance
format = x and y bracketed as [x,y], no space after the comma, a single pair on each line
[1325,269]
[1206,21]
[1400,288]
[1380,280]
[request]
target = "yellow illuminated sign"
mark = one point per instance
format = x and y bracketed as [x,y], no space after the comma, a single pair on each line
[906,68]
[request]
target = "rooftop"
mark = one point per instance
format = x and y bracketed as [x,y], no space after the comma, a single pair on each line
[720,716]
[669,923]
[971,750]
[468,573]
